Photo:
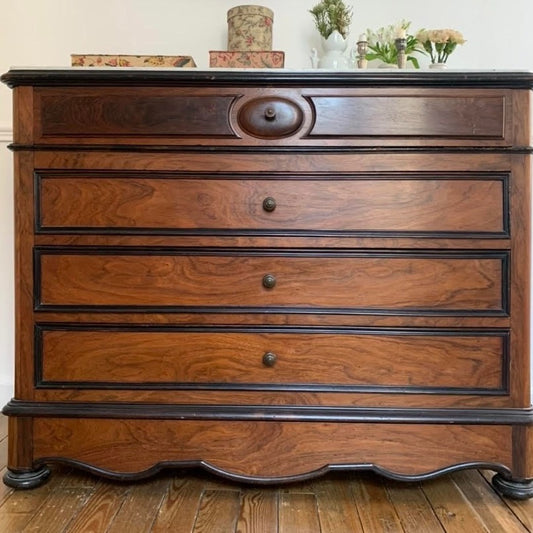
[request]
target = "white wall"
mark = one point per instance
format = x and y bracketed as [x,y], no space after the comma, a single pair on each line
[46,32]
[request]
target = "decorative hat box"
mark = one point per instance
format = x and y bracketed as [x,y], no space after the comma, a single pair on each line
[120,60]
[246,59]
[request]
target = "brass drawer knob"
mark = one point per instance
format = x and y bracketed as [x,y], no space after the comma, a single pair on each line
[269,281]
[269,359]
[269,204]
[270,113]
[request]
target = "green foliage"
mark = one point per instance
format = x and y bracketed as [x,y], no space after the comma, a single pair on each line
[330,15]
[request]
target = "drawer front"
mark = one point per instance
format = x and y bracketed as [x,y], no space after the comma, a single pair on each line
[446,361]
[235,280]
[418,205]
[270,115]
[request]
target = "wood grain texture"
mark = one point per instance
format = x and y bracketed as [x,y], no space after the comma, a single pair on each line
[375,510]
[23,190]
[217,512]
[382,282]
[485,501]
[423,115]
[127,112]
[297,513]
[23,118]
[412,507]
[337,506]
[20,443]
[179,508]
[56,512]
[206,357]
[521,372]
[268,240]
[343,116]
[295,164]
[258,511]
[401,205]
[452,508]
[372,205]
[307,398]
[140,507]
[522,509]
[268,449]
[100,509]
[270,117]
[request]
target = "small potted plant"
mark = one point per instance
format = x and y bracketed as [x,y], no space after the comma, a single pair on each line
[332,20]
[330,16]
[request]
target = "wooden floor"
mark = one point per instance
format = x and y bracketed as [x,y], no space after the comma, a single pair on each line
[72,501]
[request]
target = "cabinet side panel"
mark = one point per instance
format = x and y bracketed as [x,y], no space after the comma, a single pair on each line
[23,130]
[24,275]
[520,280]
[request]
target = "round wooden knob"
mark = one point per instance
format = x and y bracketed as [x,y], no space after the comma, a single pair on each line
[270,113]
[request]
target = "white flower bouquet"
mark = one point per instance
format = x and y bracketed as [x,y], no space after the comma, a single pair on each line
[381,43]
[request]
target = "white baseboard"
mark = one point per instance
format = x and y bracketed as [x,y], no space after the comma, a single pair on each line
[6,133]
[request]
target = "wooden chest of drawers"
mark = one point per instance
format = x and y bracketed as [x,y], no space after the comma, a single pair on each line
[272,275]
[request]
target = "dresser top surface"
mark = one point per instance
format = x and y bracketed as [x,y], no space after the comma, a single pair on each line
[112,76]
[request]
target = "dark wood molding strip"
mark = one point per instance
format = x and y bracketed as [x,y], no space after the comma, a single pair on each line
[75,77]
[269,149]
[136,476]
[505,416]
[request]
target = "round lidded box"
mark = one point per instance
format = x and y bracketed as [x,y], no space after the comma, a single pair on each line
[250,28]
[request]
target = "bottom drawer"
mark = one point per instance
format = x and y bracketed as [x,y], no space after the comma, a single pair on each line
[407,360]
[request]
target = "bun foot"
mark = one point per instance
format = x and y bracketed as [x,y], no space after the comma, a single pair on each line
[518,490]
[27,479]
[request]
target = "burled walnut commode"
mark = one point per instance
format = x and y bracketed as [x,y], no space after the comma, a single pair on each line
[272,274]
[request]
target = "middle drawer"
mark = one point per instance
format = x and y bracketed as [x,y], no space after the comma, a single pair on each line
[298,280]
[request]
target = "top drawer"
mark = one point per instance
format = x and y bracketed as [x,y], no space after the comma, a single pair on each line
[269,116]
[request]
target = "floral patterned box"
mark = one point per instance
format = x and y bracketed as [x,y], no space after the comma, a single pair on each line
[250,28]
[246,59]
[119,60]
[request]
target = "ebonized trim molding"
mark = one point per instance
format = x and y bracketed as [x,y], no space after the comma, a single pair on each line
[503,416]
[72,77]
[207,149]
[239,478]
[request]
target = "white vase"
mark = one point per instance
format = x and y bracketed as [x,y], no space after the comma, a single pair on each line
[438,66]
[333,57]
